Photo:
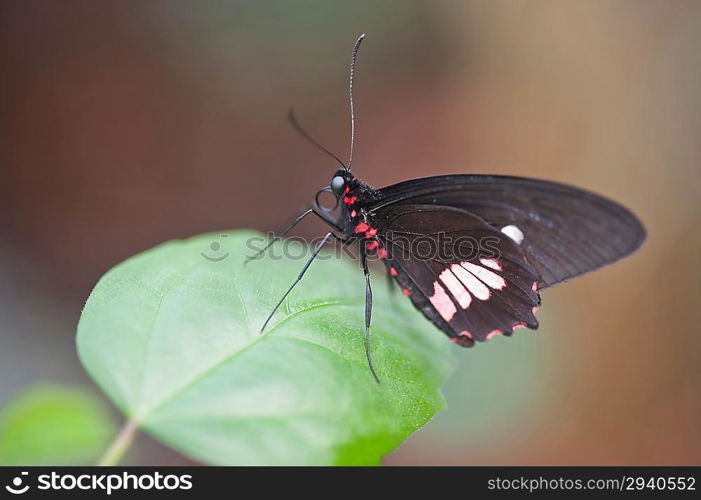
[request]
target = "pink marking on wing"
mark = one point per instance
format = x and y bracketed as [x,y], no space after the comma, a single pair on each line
[535,310]
[492,280]
[493,333]
[382,253]
[535,286]
[393,271]
[361,228]
[347,190]
[491,263]
[462,296]
[475,286]
[454,339]
[519,324]
[353,213]
[442,302]
[406,292]
[370,232]
[349,200]
[373,245]
[465,333]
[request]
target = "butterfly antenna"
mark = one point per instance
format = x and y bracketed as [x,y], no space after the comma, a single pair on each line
[295,124]
[350,95]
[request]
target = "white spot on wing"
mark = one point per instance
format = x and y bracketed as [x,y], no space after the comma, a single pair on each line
[492,280]
[475,286]
[441,301]
[456,289]
[513,232]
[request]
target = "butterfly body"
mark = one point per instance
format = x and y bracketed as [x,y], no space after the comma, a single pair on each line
[467,277]
[471,252]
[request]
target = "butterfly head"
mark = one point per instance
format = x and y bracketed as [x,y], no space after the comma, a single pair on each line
[338,183]
[341,182]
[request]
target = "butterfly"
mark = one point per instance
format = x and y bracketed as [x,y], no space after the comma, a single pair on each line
[471,252]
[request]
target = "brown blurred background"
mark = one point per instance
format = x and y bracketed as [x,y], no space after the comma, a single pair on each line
[126,123]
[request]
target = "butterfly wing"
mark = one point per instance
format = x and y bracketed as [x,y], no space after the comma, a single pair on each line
[565,231]
[470,279]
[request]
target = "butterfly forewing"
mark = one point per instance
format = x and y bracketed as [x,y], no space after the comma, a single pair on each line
[468,278]
[563,231]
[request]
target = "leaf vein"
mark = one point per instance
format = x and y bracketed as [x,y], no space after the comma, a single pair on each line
[197,378]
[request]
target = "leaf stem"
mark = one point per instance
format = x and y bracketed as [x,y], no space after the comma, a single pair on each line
[120,445]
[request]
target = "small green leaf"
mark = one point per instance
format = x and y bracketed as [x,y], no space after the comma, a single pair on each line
[53,425]
[173,337]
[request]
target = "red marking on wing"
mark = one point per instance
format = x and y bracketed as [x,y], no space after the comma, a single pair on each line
[349,200]
[464,338]
[370,232]
[406,292]
[373,245]
[347,190]
[382,253]
[361,228]
[393,271]
[493,333]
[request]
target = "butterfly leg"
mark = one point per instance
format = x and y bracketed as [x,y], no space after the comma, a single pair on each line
[299,277]
[368,310]
[279,235]
[289,228]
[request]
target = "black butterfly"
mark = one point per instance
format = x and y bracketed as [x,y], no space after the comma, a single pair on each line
[471,251]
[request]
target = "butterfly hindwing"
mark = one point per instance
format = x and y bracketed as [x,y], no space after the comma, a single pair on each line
[468,278]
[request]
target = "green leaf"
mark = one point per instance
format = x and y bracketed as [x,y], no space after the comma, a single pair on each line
[174,339]
[53,425]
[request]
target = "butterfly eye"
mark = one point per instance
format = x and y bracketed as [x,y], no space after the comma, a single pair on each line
[337,184]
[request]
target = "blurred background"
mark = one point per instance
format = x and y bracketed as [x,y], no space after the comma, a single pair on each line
[127,123]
